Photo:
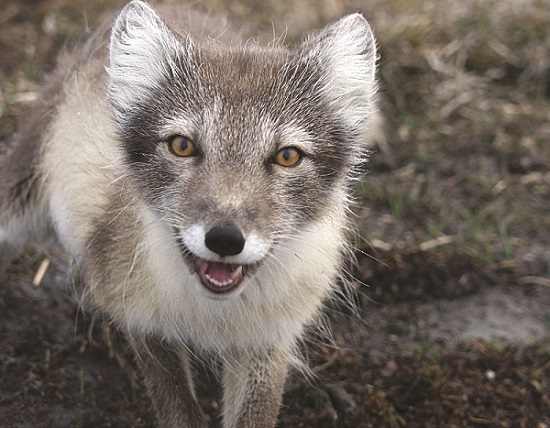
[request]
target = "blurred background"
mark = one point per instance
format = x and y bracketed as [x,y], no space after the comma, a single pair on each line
[453,263]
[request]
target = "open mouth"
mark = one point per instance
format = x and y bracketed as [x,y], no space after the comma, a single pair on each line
[218,277]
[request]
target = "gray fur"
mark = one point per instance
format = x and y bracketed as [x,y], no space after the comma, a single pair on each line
[94,166]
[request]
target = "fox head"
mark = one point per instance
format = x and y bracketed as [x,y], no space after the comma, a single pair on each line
[236,149]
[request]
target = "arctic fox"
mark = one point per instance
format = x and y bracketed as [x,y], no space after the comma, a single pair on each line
[202,187]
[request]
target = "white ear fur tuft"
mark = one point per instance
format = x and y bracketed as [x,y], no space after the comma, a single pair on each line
[141,49]
[347,52]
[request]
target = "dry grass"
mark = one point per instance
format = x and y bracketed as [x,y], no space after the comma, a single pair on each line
[465,88]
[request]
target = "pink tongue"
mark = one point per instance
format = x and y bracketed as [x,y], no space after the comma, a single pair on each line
[219,271]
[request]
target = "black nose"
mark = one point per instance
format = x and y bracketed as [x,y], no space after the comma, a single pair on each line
[225,240]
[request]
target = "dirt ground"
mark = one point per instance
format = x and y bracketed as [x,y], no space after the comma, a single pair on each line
[449,324]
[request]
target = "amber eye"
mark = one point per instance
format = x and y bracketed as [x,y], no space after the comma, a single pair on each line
[289,156]
[182,146]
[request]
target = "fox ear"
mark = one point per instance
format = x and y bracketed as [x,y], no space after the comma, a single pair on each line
[345,51]
[141,50]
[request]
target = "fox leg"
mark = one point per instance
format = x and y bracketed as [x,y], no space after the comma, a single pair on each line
[253,387]
[23,216]
[167,374]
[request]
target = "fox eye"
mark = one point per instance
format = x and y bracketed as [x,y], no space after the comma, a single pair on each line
[182,146]
[288,157]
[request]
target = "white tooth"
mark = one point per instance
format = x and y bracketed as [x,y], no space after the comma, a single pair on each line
[218,283]
[237,272]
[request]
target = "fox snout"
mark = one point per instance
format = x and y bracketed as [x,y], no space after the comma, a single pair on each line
[222,256]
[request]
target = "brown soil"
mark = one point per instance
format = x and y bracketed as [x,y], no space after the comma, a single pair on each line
[452,335]
[410,361]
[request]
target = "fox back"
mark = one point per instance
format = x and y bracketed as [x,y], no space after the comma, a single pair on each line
[203,189]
